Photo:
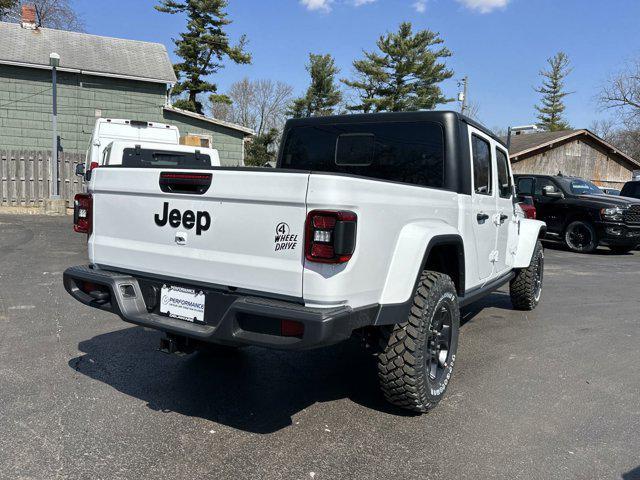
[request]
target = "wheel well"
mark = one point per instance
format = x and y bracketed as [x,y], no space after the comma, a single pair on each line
[448,259]
[583,217]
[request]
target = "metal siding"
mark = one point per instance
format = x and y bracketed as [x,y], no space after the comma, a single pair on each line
[25,123]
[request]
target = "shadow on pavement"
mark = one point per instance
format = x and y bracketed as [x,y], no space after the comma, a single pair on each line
[604,251]
[632,475]
[500,300]
[254,390]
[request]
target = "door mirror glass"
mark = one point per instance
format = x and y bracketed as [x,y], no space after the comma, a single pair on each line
[80,169]
[551,192]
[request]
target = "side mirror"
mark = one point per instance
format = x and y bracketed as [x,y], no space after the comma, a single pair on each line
[80,169]
[550,192]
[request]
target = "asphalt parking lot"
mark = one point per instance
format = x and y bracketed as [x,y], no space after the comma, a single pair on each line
[553,393]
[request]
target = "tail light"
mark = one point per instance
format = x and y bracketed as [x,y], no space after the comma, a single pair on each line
[83,213]
[330,236]
[93,165]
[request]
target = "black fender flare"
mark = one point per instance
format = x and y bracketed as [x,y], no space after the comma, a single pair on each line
[393,313]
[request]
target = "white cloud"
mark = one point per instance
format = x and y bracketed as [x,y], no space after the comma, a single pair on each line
[420,6]
[322,5]
[484,6]
[358,3]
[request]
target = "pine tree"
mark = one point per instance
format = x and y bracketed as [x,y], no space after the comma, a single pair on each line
[404,75]
[323,95]
[202,47]
[552,90]
[6,6]
[260,149]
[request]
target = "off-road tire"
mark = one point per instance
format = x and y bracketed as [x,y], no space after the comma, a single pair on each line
[524,288]
[572,245]
[407,352]
[619,250]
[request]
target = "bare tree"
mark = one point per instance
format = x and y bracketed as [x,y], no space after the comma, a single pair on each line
[473,111]
[258,104]
[622,91]
[242,95]
[58,14]
[624,135]
[272,99]
[605,129]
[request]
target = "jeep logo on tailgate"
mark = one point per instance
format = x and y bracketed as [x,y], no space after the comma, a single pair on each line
[188,219]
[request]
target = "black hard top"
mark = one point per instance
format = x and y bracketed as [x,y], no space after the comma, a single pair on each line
[440,116]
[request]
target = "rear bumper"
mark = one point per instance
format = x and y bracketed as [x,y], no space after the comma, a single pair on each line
[230,319]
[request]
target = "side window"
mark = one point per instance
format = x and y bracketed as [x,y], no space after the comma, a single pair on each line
[541,183]
[481,165]
[504,179]
[525,186]
[355,149]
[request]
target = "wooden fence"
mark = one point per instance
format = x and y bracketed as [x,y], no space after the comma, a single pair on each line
[25,178]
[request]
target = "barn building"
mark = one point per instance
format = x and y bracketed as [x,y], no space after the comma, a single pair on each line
[578,153]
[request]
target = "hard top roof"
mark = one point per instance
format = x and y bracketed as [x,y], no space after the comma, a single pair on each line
[439,116]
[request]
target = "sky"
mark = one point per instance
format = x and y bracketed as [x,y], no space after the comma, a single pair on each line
[501,45]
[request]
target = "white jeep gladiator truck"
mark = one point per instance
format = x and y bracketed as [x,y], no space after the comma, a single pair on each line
[383,225]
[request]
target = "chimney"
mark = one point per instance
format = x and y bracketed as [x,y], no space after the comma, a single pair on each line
[29,17]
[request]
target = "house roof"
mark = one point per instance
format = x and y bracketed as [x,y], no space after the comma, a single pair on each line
[215,121]
[89,54]
[526,145]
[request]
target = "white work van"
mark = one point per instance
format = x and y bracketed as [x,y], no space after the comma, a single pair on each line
[108,130]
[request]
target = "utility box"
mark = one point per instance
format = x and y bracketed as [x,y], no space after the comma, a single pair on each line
[195,141]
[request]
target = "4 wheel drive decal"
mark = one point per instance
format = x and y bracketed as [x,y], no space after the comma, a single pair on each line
[188,219]
[284,240]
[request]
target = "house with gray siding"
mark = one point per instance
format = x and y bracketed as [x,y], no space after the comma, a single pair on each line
[97,77]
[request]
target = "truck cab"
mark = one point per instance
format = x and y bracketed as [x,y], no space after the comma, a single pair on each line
[581,215]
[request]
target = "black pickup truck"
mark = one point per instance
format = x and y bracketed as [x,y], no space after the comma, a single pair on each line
[579,214]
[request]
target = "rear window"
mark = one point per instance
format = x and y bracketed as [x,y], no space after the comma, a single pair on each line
[148,158]
[408,152]
[631,189]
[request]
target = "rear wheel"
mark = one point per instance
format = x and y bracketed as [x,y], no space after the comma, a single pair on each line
[418,355]
[618,250]
[581,237]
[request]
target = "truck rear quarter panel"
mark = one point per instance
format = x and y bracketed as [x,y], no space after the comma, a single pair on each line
[395,223]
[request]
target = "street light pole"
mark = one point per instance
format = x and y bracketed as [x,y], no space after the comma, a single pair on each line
[54,61]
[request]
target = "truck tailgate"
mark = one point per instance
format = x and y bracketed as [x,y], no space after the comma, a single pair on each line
[253,238]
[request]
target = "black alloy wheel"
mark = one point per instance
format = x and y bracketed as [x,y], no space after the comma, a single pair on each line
[581,237]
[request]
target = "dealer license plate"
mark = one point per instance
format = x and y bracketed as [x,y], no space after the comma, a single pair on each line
[182,303]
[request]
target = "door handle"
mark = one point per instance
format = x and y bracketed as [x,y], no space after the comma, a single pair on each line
[482,217]
[503,217]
